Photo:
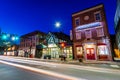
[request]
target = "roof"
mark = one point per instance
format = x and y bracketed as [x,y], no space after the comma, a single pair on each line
[62,36]
[88,9]
[33,33]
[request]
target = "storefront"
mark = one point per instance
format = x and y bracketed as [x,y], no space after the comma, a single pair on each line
[55,46]
[92,51]
[11,51]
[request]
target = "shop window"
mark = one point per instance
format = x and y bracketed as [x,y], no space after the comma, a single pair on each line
[88,33]
[102,50]
[77,21]
[97,16]
[79,50]
[100,32]
[78,35]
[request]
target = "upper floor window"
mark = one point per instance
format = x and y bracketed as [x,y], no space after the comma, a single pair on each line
[77,21]
[97,16]
[78,35]
[100,32]
[88,33]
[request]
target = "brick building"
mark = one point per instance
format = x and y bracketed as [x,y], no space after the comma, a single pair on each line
[91,40]
[28,43]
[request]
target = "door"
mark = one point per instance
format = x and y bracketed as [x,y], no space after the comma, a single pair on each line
[90,54]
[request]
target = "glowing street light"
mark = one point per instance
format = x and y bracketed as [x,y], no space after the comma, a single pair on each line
[13,38]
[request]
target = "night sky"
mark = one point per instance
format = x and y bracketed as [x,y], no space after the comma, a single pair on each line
[24,16]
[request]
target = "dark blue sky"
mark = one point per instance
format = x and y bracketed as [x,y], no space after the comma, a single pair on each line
[23,16]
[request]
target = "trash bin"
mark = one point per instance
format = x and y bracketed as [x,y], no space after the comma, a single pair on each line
[80,60]
[45,57]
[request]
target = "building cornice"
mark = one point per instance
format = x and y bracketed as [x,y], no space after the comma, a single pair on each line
[87,10]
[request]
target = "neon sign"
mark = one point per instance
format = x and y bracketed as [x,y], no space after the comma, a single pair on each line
[95,24]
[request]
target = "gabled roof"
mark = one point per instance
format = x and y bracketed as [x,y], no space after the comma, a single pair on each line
[62,36]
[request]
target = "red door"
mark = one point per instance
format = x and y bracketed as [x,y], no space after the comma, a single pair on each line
[90,54]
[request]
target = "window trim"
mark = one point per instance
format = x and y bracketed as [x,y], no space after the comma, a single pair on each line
[75,21]
[101,32]
[86,33]
[78,33]
[97,13]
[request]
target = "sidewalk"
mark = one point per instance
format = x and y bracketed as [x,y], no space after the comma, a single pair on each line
[102,64]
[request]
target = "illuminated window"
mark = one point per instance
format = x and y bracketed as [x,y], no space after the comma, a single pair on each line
[79,50]
[102,50]
[88,34]
[77,21]
[78,35]
[97,16]
[100,32]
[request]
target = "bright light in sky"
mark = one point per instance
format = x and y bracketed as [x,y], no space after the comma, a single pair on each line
[57,24]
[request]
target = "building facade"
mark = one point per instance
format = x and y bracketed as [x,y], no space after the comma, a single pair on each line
[28,43]
[56,43]
[117,31]
[91,40]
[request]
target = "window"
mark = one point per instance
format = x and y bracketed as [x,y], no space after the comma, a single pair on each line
[97,16]
[102,50]
[88,34]
[78,35]
[77,21]
[79,50]
[100,32]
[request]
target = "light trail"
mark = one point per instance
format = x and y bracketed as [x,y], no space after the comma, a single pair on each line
[66,77]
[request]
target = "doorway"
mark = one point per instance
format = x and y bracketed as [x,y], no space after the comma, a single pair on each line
[90,53]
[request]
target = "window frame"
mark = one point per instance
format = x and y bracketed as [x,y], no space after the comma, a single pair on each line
[86,33]
[98,12]
[78,35]
[76,20]
[102,32]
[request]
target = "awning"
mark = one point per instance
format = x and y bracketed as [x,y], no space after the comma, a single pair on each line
[41,46]
[99,44]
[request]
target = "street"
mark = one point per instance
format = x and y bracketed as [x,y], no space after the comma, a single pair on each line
[8,72]
[71,71]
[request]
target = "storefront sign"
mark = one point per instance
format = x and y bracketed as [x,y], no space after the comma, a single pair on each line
[95,24]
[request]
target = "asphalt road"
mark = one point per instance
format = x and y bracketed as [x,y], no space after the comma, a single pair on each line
[8,72]
[81,72]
